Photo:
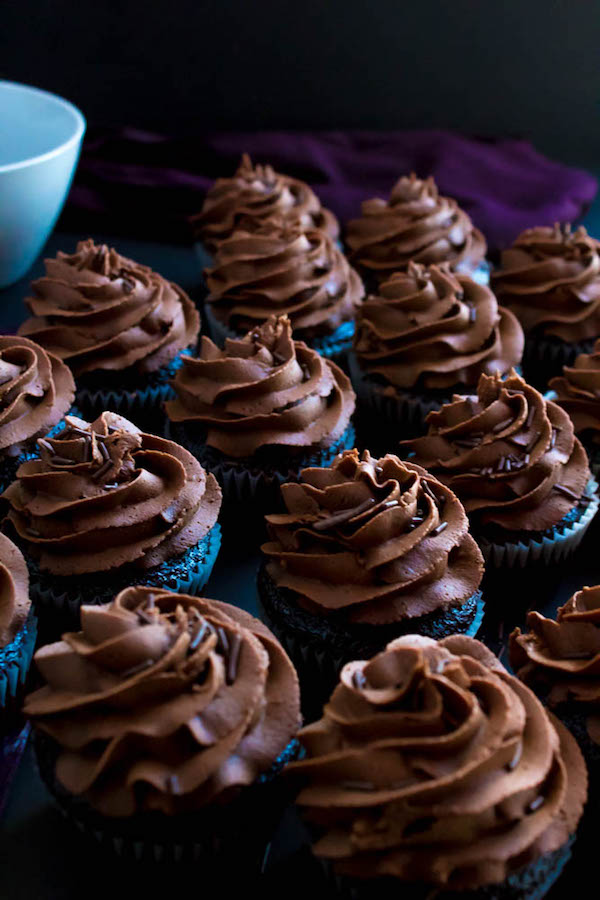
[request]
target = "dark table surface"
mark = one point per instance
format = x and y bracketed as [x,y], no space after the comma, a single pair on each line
[43,858]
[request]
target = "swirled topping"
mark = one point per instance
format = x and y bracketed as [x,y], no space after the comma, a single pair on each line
[14,591]
[95,309]
[430,327]
[562,658]
[264,389]
[254,196]
[550,279]
[104,494]
[416,224]
[511,456]
[281,270]
[578,393]
[433,765]
[36,390]
[164,702]
[377,540]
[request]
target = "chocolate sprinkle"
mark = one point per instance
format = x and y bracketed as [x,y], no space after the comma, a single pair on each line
[343,516]
[358,680]
[232,661]
[516,758]
[134,670]
[567,492]
[438,529]
[104,468]
[535,804]
[172,785]
[500,426]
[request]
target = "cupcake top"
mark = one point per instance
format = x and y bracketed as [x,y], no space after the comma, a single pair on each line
[578,393]
[435,329]
[433,765]
[280,269]
[561,658]
[14,591]
[263,389]
[374,540]
[416,224]
[164,702]
[36,390]
[104,494]
[511,456]
[254,196]
[95,309]
[550,278]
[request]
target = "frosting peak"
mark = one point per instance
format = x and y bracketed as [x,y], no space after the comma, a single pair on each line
[550,279]
[279,269]
[433,765]
[510,455]
[415,224]
[431,327]
[36,390]
[102,495]
[261,390]
[96,309]
[255,195]
[374,540]
[164,702]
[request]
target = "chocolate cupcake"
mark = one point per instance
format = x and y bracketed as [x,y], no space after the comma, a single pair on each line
[281,270]
[105,506]
[18,632]
[164,724]
[119,326]
[577,391]
[513,459]
[260,410]
[434,772]
[417,225]
[559,659]
[550,279]
[254,196]
[367,549]
[36,390]
[428,333]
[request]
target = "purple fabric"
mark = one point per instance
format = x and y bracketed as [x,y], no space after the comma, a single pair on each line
[149,184]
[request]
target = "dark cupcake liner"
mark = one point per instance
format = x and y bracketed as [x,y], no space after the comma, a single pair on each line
[135,396]
[58,599]
[544,357]
[237,832]
[319,647]
[256,480]
[12,746]
[334,346]
[15,659]
[531,882]
[542,549]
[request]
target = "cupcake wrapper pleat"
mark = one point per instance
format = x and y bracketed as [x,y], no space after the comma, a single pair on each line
[15,659]
[546,550]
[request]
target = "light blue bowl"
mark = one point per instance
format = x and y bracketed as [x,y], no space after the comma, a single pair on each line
[40,139]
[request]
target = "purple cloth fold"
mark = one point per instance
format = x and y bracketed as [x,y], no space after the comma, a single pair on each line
[149,184]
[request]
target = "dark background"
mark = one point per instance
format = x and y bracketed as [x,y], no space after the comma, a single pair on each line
[515,67]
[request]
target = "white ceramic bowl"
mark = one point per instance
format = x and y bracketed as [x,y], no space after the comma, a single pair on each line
[40,139]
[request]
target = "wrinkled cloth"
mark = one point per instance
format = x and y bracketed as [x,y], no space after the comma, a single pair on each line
[150,184]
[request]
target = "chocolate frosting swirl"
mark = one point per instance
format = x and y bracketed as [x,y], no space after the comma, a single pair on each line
[95,309]
[510,455]
[264,389]
[105,494]
[254,196]
[416,224]
[14,591]
[280,269]
[379,540]
[429,327]
[433,765]
[550,279]
[562,658]
[36,390]
[578,393]
[164,702]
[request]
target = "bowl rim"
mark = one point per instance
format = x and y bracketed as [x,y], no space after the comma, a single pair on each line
[80,126]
